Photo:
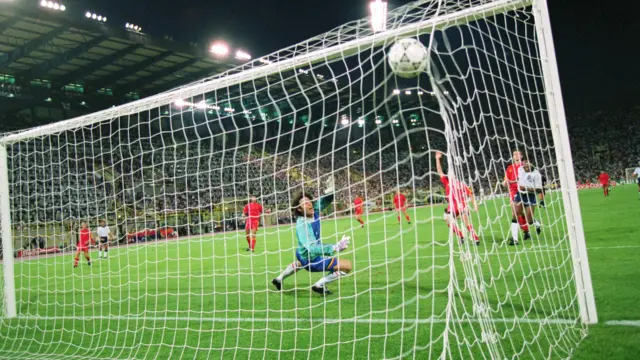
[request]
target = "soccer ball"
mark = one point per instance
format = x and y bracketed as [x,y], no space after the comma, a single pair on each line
[408,58]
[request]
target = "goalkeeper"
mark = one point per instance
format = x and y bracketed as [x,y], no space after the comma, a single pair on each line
[312,255]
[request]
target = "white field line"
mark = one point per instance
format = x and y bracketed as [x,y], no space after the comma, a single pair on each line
[432,320]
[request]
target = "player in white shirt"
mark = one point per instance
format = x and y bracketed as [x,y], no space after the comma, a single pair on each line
[525,201]
[636,174]
[104,234]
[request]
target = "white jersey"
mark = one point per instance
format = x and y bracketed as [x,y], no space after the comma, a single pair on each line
[636,172]
[531,179]
[103,231]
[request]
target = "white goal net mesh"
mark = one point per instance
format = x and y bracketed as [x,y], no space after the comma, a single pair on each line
[171,175]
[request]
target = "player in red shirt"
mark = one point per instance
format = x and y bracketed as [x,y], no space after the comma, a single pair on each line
[358,206]
[511,180]
[400,203]
[251,213]
[457,194]
[84,238]
[604,181]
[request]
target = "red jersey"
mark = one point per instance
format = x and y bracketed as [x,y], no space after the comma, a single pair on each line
[458,198]
[399,201]
[512,177]
[358,203]
[604,178]
[83,239]
[253,210]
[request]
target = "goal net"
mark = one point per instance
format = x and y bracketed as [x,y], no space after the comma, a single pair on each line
[171,175]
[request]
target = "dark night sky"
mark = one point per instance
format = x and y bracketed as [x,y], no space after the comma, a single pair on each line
[594,42]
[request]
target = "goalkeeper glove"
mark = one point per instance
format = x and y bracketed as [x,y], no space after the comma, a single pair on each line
[342,244]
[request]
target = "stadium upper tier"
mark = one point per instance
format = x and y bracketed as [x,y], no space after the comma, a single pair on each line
[57,65]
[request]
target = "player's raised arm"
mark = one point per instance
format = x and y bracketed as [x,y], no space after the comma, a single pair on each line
[439,164]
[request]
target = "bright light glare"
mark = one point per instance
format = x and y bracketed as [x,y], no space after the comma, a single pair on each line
[99,17]
[87,14]
[220,49]
[127,25]
[378,121]
[56,6]
[378,10]
[94,16]
[396,92]
[43,3]
[361,122]
[242,55]
[201,105]
[63,8]
[179,103]
[345,120]
[50,4]
[407,92]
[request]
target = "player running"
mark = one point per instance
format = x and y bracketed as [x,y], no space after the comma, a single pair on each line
[84,237]
[400,204]
[312,255]
[636,174]
[457,193]
[358,207]
[251,214]
[104,234]
[603,178]
[529,184]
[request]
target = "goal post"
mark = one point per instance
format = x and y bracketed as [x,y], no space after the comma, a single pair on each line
[566,173]
[9,289]
[360,255]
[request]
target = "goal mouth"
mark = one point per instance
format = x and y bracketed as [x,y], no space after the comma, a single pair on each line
[384,224]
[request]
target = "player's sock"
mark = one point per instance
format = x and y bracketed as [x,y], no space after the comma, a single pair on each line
[474,236]
[515,228]
[330,278]
[99,253]
[105,253]
[288,271]
[398,219]
[361,222]
[408,219]
[249,241]
[456,230]
[523,223]
[75,261]
[253,243]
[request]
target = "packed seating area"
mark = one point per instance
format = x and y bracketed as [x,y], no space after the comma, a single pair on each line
[56,179]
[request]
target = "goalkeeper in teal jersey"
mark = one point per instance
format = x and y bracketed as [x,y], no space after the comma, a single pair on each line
[312,255]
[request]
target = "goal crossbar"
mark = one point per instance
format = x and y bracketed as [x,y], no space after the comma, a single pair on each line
[229,78]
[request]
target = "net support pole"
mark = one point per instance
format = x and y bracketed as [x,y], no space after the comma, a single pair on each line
[557,119]
[7,238]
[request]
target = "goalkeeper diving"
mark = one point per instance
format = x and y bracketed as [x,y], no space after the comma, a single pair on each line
[312,255]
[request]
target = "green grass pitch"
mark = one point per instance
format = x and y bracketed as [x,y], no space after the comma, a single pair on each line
[202,298]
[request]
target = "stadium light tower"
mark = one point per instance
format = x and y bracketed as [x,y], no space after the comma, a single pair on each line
[243,55]
[378,10]
[94,16]
[133,27]
[52,5]
[220,49]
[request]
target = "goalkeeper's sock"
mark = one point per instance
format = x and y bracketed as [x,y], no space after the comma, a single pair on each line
[474,236]
[288,271]
[330,278]
[523,223]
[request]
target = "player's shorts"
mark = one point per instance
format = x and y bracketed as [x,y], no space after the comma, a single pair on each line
[83,247]
[359,211]
[252,224]
[319,264]
[512,196]
[638,180]
[104,239]
[527,199]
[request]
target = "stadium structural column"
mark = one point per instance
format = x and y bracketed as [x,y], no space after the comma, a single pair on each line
[7,238]
[566,173]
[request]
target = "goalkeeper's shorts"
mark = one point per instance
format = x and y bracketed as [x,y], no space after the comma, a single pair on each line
[318,264]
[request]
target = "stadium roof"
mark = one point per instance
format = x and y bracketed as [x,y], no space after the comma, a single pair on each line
[49,56]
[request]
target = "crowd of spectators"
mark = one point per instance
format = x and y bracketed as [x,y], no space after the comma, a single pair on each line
[59,180]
